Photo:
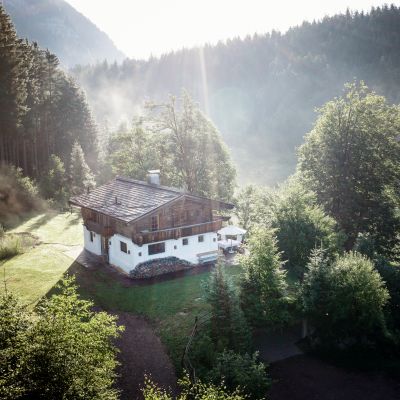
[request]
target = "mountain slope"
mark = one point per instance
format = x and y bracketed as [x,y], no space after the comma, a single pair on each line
[261,91]
[56,25]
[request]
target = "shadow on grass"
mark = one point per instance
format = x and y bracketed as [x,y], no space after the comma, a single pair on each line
[76,218]
[42,220]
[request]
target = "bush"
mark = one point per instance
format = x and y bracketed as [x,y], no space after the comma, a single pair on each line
[10,246]
[14,244]
[189,391]
[241,371]
[63,350]
[18,195]
[344,300]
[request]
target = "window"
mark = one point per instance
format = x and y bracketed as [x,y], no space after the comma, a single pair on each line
[201,238]
[185,242]
[214,239]
[123,247]
[140,254]
[91,236]
[175,247]
[156,248]
[154,223]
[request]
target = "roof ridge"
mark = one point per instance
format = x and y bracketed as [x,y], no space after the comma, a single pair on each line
[144,183]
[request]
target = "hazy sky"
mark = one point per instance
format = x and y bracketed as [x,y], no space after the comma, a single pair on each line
[141,28]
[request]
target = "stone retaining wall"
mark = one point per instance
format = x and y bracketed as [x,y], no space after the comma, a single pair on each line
[159,266]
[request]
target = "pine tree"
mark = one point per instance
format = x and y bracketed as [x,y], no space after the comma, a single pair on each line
[264,296]
[12,89]
[81,177]
[229,329]
[54,183]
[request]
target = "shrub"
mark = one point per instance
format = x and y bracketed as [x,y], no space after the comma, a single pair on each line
[18,195]
[241,371]
[63,350]
[10,246]
[344,300]
[189,391]
[14,244]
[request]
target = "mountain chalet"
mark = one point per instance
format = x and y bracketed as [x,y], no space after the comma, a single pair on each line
[131,222]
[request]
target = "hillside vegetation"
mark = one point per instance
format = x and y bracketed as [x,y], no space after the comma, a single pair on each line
[260,91]
[55,25]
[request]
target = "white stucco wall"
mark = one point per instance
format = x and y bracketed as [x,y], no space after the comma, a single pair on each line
[139,254]
[95,246]
[119,258]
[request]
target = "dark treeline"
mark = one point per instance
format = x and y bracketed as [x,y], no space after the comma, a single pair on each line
[260,91]
[42,110]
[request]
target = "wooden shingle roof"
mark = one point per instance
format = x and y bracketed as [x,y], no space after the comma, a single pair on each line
[128,199]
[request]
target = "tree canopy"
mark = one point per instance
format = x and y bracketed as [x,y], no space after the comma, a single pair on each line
[264,295]
[344,300]
[178,139]
[351,160]
[42,110]
[63,350]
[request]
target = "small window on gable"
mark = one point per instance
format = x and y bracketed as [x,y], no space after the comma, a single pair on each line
[185,242]
[201,238]
[214,239]
[91,236]
[175,247]
[123,246]
[154,223]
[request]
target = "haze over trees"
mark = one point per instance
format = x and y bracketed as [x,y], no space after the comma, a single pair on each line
[177,138]
[57,26]
[42,111]
[260,91]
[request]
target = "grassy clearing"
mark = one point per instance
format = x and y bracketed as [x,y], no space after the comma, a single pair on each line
[170,305]
[55,228]
[32,274]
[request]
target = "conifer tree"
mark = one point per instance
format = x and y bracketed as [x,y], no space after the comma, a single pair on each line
[229,329]
[81,177]
[264,296]
[54,183]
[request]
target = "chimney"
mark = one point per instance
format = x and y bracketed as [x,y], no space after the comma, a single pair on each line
[153,177]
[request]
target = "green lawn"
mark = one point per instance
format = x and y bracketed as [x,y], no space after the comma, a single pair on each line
[54,227]
[32,274]
[171,306]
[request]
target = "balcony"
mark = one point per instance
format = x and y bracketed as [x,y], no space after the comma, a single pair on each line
[176,233]
[99,229]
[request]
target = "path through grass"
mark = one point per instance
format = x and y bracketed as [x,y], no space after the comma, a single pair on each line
[171,305]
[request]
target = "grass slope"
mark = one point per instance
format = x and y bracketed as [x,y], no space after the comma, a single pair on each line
[31,275]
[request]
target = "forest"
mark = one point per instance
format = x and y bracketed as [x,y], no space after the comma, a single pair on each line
[322,248]
[260,91]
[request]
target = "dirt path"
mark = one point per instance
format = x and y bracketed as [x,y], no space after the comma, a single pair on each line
[277,345]
[141,350]
[307,378]
[141,353]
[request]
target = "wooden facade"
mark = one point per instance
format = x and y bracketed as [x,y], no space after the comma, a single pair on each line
[185,216]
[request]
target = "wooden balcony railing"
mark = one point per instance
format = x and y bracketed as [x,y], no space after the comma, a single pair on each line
[99,229]
[176,233]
